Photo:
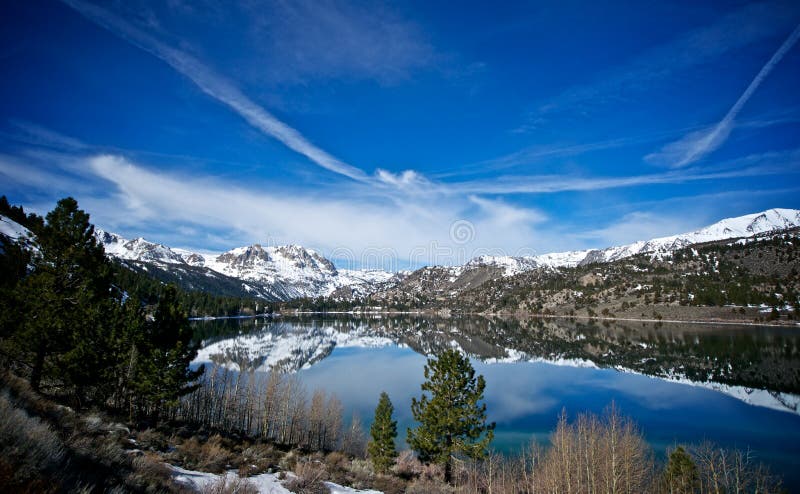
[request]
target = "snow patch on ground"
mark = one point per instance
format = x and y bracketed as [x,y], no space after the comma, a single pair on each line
[265,483]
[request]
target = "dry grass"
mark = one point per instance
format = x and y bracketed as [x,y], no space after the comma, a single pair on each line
[310,478]
[210,455]
[151,439]
[230,484]
[407,466]
[32,451]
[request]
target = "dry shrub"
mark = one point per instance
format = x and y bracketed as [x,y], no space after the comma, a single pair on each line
[30,447]
[361,473]
[149,473]
[407,465]
[93,423]
[428,486]
[230,484]
[152,439]
[432,472]
[289,461]
[388,484]
[337,466]
[310,478]
[208,456]
[259,457]
[336,460]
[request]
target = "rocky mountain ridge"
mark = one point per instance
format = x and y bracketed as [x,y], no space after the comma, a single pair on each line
[741,226]
[289,272]
[281,272]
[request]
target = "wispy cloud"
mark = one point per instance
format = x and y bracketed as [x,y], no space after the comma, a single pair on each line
[640,225]
[753,165]
[741,27]
[696,145]
[37,135]
[303,39]
[217,87]
[506,215]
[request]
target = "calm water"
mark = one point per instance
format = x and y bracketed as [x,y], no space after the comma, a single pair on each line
[536,368]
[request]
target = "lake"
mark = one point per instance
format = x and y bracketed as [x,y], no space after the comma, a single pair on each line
[738,386]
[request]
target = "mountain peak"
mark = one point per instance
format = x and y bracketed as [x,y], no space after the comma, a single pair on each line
[741,226]
[292,271]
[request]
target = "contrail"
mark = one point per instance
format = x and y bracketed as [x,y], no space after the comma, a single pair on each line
[217,87]
[719,133]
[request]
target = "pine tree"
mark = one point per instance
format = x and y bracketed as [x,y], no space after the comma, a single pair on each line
[680,475]
[451,420]
[14,262]
[65,304]
[166,352]
[383,432]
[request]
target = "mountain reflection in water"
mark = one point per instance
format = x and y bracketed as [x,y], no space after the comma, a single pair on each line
[756,364]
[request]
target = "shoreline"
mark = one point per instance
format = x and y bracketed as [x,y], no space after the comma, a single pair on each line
[519,315]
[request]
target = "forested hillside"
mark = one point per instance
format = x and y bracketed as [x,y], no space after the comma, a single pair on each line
[752,279]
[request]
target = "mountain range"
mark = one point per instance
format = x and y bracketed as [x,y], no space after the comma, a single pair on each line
[291,271]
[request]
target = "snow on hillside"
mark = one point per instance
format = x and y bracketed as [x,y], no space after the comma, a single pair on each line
[286,271]
[138,249]
[742,226]
[12,229]
[292,271]
[510,265]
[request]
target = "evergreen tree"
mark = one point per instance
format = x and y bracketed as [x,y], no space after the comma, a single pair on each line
[166,352]
[451,420]
[65,300]
[680,475]
[383,432]
[14,262]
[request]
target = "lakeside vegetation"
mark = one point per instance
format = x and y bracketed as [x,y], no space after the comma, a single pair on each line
[98,393]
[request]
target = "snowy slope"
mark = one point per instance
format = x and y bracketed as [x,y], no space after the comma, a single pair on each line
[291,271]
[138,249]
[14,232]
[742,226]
[12,229]
[282,272]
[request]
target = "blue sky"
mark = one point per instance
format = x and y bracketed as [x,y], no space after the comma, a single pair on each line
[401,134]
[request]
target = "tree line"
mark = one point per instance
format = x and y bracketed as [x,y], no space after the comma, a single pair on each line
[73,333]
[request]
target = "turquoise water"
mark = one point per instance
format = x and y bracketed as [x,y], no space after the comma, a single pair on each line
[357,360]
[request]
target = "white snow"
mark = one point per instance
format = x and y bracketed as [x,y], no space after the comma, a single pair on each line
[292,271]
[12,229]
[285,271]
[338,489]
[742,226]
[265,483]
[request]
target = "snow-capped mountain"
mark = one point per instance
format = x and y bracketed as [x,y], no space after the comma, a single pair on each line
[281,272]
[137,249]
[291,271]
[742,226]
